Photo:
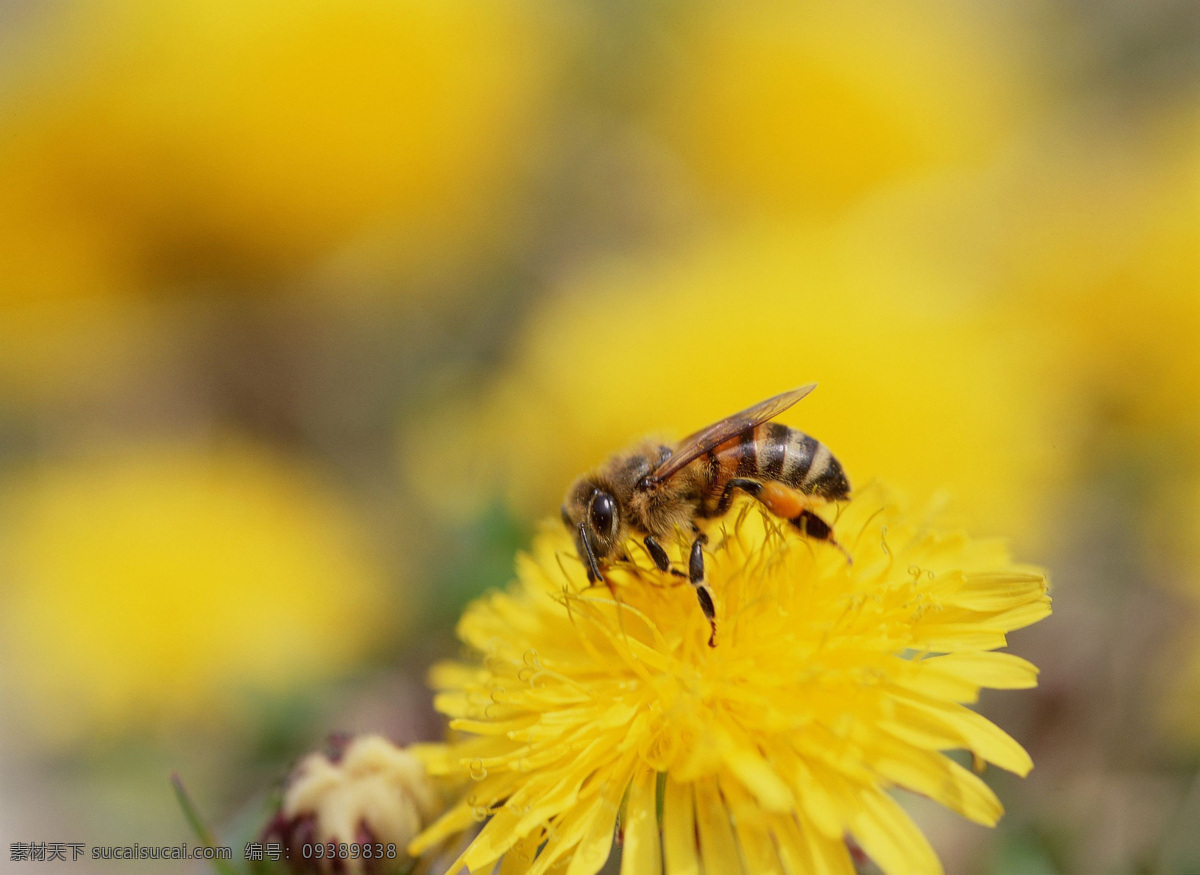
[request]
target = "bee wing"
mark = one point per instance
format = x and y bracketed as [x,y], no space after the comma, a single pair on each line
[695,445]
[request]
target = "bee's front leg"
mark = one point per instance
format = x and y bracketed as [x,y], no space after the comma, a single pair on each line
[703,593]
[661,560]
[657,553]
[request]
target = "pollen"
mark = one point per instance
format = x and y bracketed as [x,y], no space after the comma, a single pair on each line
[585,711]
[781,500]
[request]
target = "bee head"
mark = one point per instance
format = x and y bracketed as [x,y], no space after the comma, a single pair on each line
[592,514]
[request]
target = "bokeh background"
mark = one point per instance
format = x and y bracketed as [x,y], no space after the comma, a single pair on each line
[310,311]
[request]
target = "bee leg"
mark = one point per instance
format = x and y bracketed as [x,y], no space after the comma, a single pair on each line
[813,526]
[662,561]
[703,593]
[696,560]
[660,557]
[657,553]
[750,487]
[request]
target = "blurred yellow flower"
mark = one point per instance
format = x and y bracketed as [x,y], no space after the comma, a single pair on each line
[917,377]
[800,108]
[1092,231]
[68,318]
[221,138]
[148,148]
[165,583]
[832,683]
[1129,331]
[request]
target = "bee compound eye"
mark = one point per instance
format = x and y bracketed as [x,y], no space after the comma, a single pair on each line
[603,514]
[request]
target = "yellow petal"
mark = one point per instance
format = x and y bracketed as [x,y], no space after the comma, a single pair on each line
[679,830]
[817,803]
[941,726]
[520,857]
[759,778]
[758,850]
[596,844]
[939,685]
[939,778]
[1025,615]
[451,823]
[642,854]
[803,850]
[891,839]
[496,837]
[565,834]
[996,593]
[998,671]
[718,847]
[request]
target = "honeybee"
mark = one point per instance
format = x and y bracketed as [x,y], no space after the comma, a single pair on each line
[650,491]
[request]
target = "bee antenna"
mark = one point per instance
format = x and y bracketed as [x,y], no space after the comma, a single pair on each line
[593,568]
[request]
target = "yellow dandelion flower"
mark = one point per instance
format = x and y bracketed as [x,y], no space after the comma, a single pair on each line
[832,684]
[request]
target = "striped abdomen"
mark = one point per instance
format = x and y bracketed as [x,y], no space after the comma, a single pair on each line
[774,452]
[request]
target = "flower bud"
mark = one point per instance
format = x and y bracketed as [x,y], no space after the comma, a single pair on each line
[367,794]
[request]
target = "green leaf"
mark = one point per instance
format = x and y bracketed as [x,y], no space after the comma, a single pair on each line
[203,833]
